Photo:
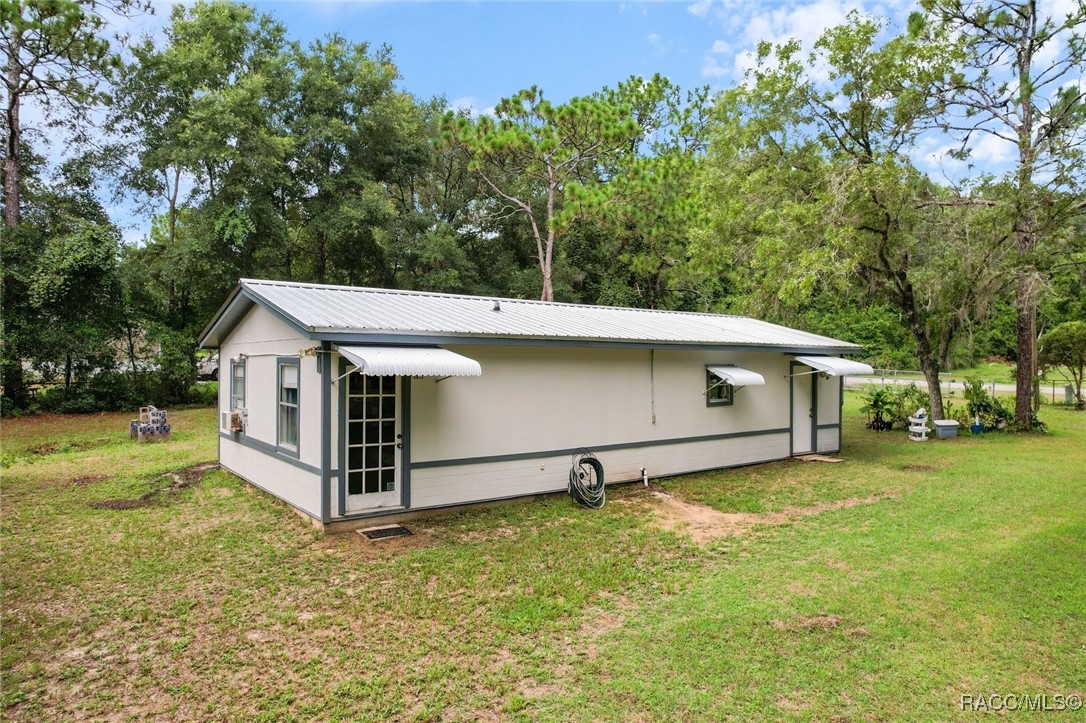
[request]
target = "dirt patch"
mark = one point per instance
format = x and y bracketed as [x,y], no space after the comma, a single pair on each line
[920,468]
[176,480]
[87,479]
[352,544]
[704,523]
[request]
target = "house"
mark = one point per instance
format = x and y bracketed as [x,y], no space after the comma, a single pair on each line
[355,403]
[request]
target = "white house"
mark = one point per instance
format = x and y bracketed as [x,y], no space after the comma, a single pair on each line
[352,404]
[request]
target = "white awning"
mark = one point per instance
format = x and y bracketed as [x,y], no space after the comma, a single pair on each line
[409,361]
[835,366]
[737,376]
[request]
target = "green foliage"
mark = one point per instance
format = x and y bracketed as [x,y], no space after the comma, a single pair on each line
[892,405]
[1065,346]
[982,405]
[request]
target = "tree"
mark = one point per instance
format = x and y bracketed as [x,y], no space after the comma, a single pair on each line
[1065,346]
[812,189]
[54,52]
[1022,85]
[531,151]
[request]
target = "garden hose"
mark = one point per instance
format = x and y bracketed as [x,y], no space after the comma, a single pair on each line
[586,480]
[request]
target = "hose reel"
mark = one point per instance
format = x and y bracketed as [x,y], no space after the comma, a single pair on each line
[586,480]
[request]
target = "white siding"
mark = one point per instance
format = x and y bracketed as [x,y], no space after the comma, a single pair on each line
[262,337]
[299,487]
[829,440]
[455,484]
[535,400]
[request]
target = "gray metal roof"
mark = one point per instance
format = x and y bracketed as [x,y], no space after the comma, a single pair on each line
[345,313]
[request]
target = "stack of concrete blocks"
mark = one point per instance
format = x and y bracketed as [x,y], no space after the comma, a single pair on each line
[918,426]
[151,426]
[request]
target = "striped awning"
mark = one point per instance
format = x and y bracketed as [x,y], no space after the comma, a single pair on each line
[408,361]
[835,366]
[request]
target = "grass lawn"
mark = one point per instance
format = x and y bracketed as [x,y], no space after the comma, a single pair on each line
[884,588]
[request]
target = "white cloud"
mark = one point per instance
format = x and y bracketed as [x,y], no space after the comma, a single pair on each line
[473,106]
[700,8]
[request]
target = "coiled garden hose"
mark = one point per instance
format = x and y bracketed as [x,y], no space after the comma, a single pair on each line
[586,480]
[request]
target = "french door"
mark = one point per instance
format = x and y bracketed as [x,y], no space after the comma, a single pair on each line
[374,442]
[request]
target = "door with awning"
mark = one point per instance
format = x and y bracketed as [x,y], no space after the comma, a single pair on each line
[373,430]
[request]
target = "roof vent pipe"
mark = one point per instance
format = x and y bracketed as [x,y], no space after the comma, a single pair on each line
[497,305]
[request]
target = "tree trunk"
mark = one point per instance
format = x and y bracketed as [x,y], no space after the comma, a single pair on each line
[935,392]
[11,157]
[1024,376]
[67,371]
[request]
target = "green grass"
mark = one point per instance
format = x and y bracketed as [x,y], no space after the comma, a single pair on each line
[965,576]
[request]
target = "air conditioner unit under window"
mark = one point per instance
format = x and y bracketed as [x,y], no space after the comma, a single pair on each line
[233,421]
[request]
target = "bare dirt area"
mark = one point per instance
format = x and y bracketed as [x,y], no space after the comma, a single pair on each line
[177,480]
[703,523]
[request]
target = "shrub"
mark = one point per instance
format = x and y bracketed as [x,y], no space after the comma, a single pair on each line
[991,412]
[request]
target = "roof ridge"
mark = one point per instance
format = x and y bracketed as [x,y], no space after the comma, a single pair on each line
[476,297]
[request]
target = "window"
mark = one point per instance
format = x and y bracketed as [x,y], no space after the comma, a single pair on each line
[717,391]
[237,384]
[288,406]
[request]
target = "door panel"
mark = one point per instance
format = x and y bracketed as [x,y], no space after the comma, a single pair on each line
[803,407]
[373,442]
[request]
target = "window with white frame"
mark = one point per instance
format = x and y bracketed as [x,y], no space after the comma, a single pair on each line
[237,384]
[288,406]
[717,391]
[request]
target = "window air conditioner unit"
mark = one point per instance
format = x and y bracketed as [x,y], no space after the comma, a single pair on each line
[233,421]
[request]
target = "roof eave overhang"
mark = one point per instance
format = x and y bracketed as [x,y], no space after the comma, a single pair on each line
[347,336]
[234,309]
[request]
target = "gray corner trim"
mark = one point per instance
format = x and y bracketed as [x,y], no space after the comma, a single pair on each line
[264,489]
[840,413]
[341,481]
[324,363]
[280,362]
[424,339]
[405,451]
[270,450]
[595,448]
[814,413]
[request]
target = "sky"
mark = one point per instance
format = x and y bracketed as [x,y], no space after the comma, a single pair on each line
[475,53]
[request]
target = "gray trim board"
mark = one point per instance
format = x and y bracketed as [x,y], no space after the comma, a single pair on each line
[829,426]
[394,339]
[342,479]
[386,512]
[324,367]
[431,464]
[268,449]
[405,451]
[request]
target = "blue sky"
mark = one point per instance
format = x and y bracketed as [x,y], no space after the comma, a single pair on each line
[475,53]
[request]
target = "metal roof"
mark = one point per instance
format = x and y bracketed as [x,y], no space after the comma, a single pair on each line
[367,315]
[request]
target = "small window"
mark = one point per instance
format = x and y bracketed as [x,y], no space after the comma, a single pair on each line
[717,391]
[288,406]
[237,384]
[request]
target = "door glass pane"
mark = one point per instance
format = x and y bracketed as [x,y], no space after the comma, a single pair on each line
[373,385]
[388,431]
[373,407]
[354,435]
[356,383]
[372,452]
[388,455]
[372,432]
[388,480]
[354,458]
[388,407]
[354,483]
[372,481]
